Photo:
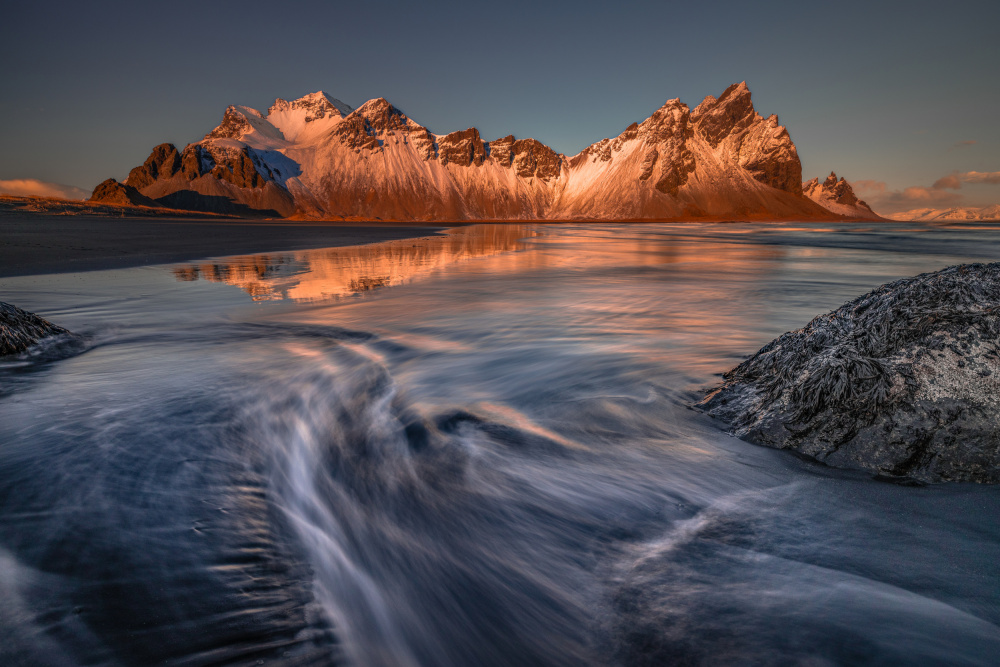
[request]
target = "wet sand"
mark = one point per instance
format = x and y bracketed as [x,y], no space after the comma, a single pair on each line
[39,244]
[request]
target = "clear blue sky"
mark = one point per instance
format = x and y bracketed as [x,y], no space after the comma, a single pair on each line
[876,91]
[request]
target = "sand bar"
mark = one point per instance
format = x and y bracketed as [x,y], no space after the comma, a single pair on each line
[39,244]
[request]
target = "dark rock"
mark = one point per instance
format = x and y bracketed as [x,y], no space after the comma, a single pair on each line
[383,117]
[501,150]
[163,162]
[533,158]
[20,329]
[195,162]
[772,158]
[423,141]
[233,126]
[648,163]
[669,127]
[113,192]
[716,119]
[239,168]
[901,381]
[355,132]
[463,148]
[377,121]
[761,146]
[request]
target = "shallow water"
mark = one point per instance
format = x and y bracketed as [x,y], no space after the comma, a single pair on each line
[469,449]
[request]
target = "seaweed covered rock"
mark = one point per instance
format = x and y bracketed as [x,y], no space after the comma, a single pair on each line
[903,381]
[20,329]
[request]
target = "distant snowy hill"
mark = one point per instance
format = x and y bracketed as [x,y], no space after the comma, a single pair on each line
[958,213]
[838,196]
[316,157]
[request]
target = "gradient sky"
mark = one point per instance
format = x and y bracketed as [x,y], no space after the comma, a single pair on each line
[904,95]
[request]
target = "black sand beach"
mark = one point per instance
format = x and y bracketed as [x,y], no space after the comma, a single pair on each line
[38,244]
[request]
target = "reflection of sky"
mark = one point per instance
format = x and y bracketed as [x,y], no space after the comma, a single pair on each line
[698,295]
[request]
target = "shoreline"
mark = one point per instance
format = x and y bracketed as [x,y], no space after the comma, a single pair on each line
[40,244]
[36,243]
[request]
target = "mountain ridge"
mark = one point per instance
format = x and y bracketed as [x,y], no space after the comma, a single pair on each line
[970,213]
[838,196]
[316,157]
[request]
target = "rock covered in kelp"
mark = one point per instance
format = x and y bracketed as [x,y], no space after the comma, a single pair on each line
[903,381]
[20,329]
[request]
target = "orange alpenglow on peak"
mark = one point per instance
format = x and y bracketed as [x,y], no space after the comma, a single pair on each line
[838,196]
[315,157]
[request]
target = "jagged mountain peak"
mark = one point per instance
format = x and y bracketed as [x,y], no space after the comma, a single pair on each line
[707,103]
[320,97]
[672,112]
[673,103]
[315,157]
[381,116]
[378,107]
[838,196]
[316,105]
[735,90]
[732,112]
[239,121]
[734,94]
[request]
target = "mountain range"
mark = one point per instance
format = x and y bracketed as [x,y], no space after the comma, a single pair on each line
[956,213]
[316,157]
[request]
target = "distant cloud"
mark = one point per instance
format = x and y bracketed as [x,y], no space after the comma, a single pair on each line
[950,182]
[884,200]
[954,180]
[922,195]
[873,187]
[26,187]
[963,144]
[990,177]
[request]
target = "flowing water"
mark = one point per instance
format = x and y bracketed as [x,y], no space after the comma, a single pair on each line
[472,449]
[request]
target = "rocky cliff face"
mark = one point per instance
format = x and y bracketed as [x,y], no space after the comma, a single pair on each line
[113,192]
[721,160]
[838,196]
[316,157]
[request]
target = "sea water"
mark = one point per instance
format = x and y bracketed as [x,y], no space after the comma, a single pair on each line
[471,449]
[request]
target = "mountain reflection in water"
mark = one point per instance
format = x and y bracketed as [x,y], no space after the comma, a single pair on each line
[469,449]
[331,273]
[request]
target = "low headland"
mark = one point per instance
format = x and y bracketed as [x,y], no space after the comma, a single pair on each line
[39,235]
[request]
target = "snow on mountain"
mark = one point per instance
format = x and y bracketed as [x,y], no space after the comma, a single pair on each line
[308,117]
[315,157]
[957,213]
[838,196]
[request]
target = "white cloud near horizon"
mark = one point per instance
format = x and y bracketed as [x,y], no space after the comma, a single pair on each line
[955,179]
[32,187]
[987,177]
[884,200]
[939,195]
